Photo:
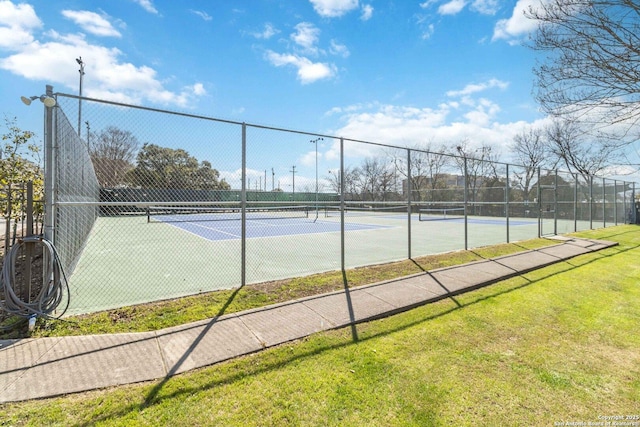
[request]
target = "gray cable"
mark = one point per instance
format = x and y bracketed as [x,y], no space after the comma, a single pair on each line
[51,294]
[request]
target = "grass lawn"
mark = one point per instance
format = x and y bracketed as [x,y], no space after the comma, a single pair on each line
[560,344]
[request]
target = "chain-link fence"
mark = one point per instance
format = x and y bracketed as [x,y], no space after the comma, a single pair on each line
[153,204]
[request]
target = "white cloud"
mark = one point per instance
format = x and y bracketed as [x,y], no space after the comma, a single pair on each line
[309,158]
[518,25]
[339,49]
[52,60]
[486,7]
[198,89]
[478,87]
[426,34]
[201,14]
[308,71]
[484,112]
[474,120]
[16,24]
[427,4]
[268,32]
[91,22]
[367,12]
[147,5]
[452,7]
[306,36]
[333,8]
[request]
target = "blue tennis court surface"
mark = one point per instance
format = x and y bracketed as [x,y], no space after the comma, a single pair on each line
[232,229]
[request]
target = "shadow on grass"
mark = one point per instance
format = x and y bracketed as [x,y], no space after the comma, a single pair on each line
[449,294]
[601,236]
[152,395]
[242,368]
[174,369]
[352,316]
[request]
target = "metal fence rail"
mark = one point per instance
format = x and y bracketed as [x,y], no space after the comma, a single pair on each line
[386,203]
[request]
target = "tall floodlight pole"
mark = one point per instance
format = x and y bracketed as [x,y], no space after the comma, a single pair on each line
[315,142]
[81,71]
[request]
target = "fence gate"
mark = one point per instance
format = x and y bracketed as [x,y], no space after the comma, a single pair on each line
[548,210]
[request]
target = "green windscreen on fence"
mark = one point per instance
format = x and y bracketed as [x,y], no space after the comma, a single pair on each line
[76,192]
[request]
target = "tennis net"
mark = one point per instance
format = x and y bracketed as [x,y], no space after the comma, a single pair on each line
[438,214]
[228,213]
[371,210]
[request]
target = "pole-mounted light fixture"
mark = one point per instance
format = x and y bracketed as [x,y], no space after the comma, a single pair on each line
[81,71]
[46,100]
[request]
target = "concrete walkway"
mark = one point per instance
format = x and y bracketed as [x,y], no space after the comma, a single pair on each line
[45,367]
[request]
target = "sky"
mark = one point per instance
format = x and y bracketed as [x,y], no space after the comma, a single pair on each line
[406,72]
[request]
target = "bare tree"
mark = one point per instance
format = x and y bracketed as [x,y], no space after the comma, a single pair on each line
[352,187]
[427,164]
[113,151]
[578,149]
[530,151]
[374,171]
[386,185]
[334,180]
[352,183]
[593,58]
[477,165]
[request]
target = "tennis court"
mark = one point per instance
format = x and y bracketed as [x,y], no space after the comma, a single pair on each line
[226,223]
[168,254]
[135,236]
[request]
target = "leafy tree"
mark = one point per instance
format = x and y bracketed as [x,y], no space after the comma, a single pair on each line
[19,164]
[167,168]
[112,152]
[593,58]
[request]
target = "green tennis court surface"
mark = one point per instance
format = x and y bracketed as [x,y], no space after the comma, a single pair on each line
[129,261]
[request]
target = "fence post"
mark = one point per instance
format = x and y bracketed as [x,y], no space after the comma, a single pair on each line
[575,203]
[409,191]
[604,203]
[506,202]
[243,209]
[29,246]
[555,203]
[539,206]
[466,202]
[7,230]
[615,201]
[590,202]
[49,169]
[633,204]
[342,242]
[624,202]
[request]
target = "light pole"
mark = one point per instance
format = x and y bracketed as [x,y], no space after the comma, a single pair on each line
[315,142]
[81,71]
